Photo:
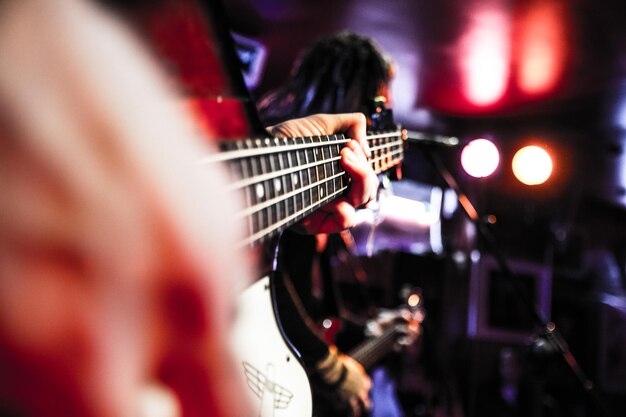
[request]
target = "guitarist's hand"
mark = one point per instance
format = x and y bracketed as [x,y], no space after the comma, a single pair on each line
[406,322]
[347,378]
[356,387]
[339,214]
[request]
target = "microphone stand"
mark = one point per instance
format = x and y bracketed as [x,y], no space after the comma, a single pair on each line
[548,331]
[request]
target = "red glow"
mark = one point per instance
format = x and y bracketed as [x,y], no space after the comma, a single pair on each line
[542,34]
[485,52]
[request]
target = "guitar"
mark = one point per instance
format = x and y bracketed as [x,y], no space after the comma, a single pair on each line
[372,350]
[368,353]
[284,180]
[327,402]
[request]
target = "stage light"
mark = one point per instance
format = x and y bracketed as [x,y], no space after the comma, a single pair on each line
[485,55]
[542,46]
[532,165]
[480,158]
[414,300]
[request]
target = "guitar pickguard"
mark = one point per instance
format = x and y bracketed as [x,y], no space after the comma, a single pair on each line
[275,378]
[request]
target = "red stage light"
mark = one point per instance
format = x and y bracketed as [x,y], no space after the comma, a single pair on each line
[485,50]
[542,46]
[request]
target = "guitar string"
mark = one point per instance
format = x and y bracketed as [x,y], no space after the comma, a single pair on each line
[372,345]
[238,185]
[258,207]
[370,350]
[283,197]
[277,200]
[267,231]
[277,174]
[385,159]
[259,235]
[265,146]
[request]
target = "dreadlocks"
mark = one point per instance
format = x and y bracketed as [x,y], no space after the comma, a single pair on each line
[339,73]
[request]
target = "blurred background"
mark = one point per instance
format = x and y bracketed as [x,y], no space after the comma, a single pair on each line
[548,73]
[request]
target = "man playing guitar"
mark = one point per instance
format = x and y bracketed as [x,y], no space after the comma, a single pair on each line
[337,73]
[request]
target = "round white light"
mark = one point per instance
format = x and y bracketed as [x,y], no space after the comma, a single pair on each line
[480,158]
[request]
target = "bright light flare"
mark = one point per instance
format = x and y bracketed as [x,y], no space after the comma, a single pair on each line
[480,158]
[486,51]
[532,165]
[414,300]
[542,34]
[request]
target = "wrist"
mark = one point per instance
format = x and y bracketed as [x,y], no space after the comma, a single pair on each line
[330,369]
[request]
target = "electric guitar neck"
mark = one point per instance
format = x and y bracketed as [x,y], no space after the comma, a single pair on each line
[285,179]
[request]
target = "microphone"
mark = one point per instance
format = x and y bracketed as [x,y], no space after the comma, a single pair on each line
[423,138]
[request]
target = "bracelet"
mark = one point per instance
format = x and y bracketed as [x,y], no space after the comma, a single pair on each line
[331,360]
[341,379]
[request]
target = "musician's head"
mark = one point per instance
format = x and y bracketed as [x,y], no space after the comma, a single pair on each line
[339,73]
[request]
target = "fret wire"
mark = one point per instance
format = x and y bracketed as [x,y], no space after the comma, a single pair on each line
[262,162]
[293,178]
[319,168]
[272,191]
[244,153]
[267,203]
[332,166]
[378,160]
[325,158]
[268,230]
[254,168]
[282,180]
[299,154]
[308,156]
[248,194]
[375,161]
[340,179]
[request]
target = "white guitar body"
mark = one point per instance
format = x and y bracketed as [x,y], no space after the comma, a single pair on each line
[276,380]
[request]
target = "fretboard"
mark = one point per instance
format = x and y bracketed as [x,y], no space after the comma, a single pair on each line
[285,179]
[371,351]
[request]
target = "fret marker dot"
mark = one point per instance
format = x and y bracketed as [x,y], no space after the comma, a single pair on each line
[260,191]
[277,184]
[294,179]
[321,192]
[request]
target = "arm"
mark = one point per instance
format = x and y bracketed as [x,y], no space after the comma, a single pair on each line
[338,373]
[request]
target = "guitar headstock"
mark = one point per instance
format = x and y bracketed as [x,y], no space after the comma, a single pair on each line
[380,117]
[414,303]
[385,137]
